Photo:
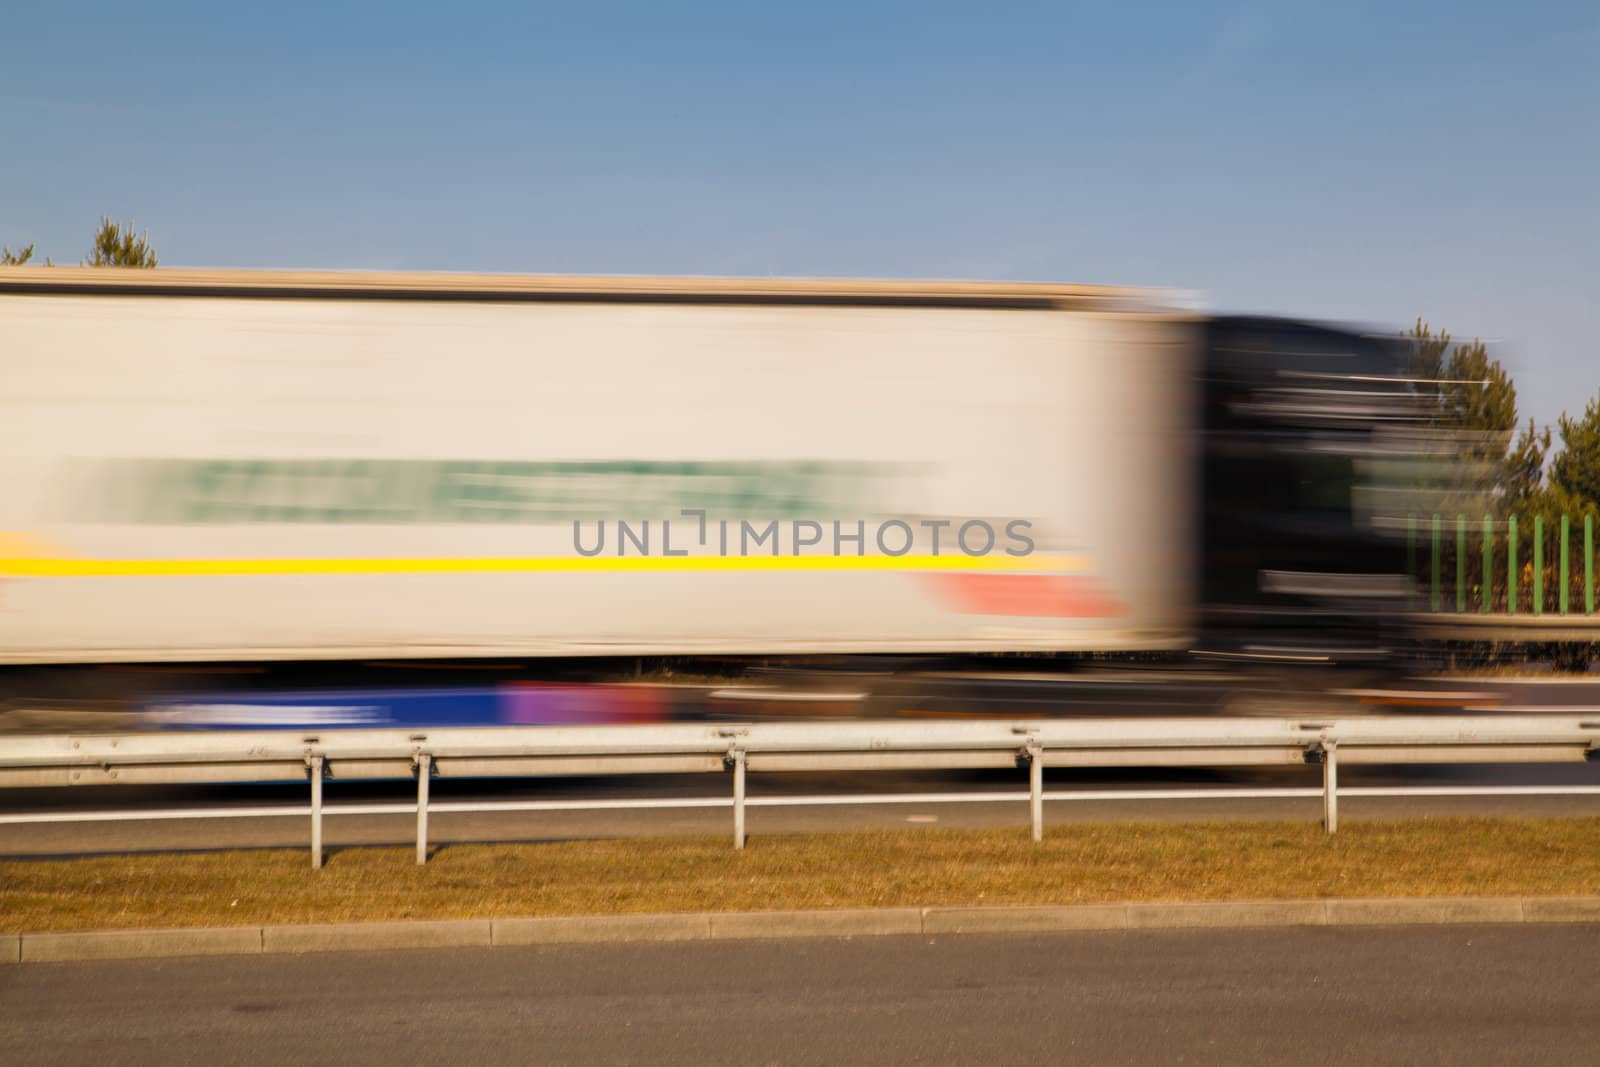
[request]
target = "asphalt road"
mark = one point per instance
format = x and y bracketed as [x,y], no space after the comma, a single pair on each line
[1424,995]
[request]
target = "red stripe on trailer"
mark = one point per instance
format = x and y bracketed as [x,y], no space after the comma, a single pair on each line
[1035,595]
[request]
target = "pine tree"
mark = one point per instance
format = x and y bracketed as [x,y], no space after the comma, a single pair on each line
[1577,469]
[116,246]
[1471,400]
[1524,467]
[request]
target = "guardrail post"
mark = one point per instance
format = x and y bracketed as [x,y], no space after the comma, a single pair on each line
[315,763]
[424,771]
[1036,788]
[738,797]
[1330,785]
[1511,565]
[1488,566]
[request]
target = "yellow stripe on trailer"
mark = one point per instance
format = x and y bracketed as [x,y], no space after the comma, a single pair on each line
[37,566]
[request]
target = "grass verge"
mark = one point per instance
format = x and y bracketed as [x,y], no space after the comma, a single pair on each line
[1075,864]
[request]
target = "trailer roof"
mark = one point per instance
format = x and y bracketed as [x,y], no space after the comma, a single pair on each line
[163,281]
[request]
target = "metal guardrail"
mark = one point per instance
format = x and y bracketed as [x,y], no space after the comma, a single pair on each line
[738,749]
[1509,629]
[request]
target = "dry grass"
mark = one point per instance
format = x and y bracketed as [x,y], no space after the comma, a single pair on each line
[1518,672]
[1075,864]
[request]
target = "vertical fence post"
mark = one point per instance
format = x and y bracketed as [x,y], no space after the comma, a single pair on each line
[1538,564]
[316,810]
[1330,785]
[1564,577]
[1461,563]
[424,772]
[738,798]
[1435,562]
[1411,548]
[1511,565]
[1488,565]
[1036,788]
[1588,564]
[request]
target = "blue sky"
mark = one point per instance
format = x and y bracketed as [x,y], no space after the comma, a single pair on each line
[1354,160]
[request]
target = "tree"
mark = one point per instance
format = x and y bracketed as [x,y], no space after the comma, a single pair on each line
[1427,352]
[116,246]
[1479,396]
[1470,398]
[1524,467]
[9,258]
[1576,470]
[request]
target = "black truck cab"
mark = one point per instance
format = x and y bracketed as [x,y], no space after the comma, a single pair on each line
[1294,569]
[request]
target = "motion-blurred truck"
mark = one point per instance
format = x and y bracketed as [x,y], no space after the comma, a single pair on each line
[235,468]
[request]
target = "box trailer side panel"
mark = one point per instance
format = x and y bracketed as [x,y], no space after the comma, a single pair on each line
[218,478]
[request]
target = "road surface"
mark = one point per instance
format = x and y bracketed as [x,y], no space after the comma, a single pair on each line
[1424,995]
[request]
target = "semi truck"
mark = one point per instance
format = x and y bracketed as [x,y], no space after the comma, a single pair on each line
[228,470]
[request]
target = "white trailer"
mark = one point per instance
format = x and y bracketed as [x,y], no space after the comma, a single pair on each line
[203,465]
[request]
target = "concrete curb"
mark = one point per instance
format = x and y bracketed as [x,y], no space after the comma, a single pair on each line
[344,937]
[1025,919]
[1561,909]
[712,926]
[1210,915]
[1401,912]
[579,929]
[869,922]
[141,944]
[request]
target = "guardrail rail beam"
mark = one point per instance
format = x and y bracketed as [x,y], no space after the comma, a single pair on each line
[827,746]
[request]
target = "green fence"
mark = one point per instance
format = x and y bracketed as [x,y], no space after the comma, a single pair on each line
[1532,565]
